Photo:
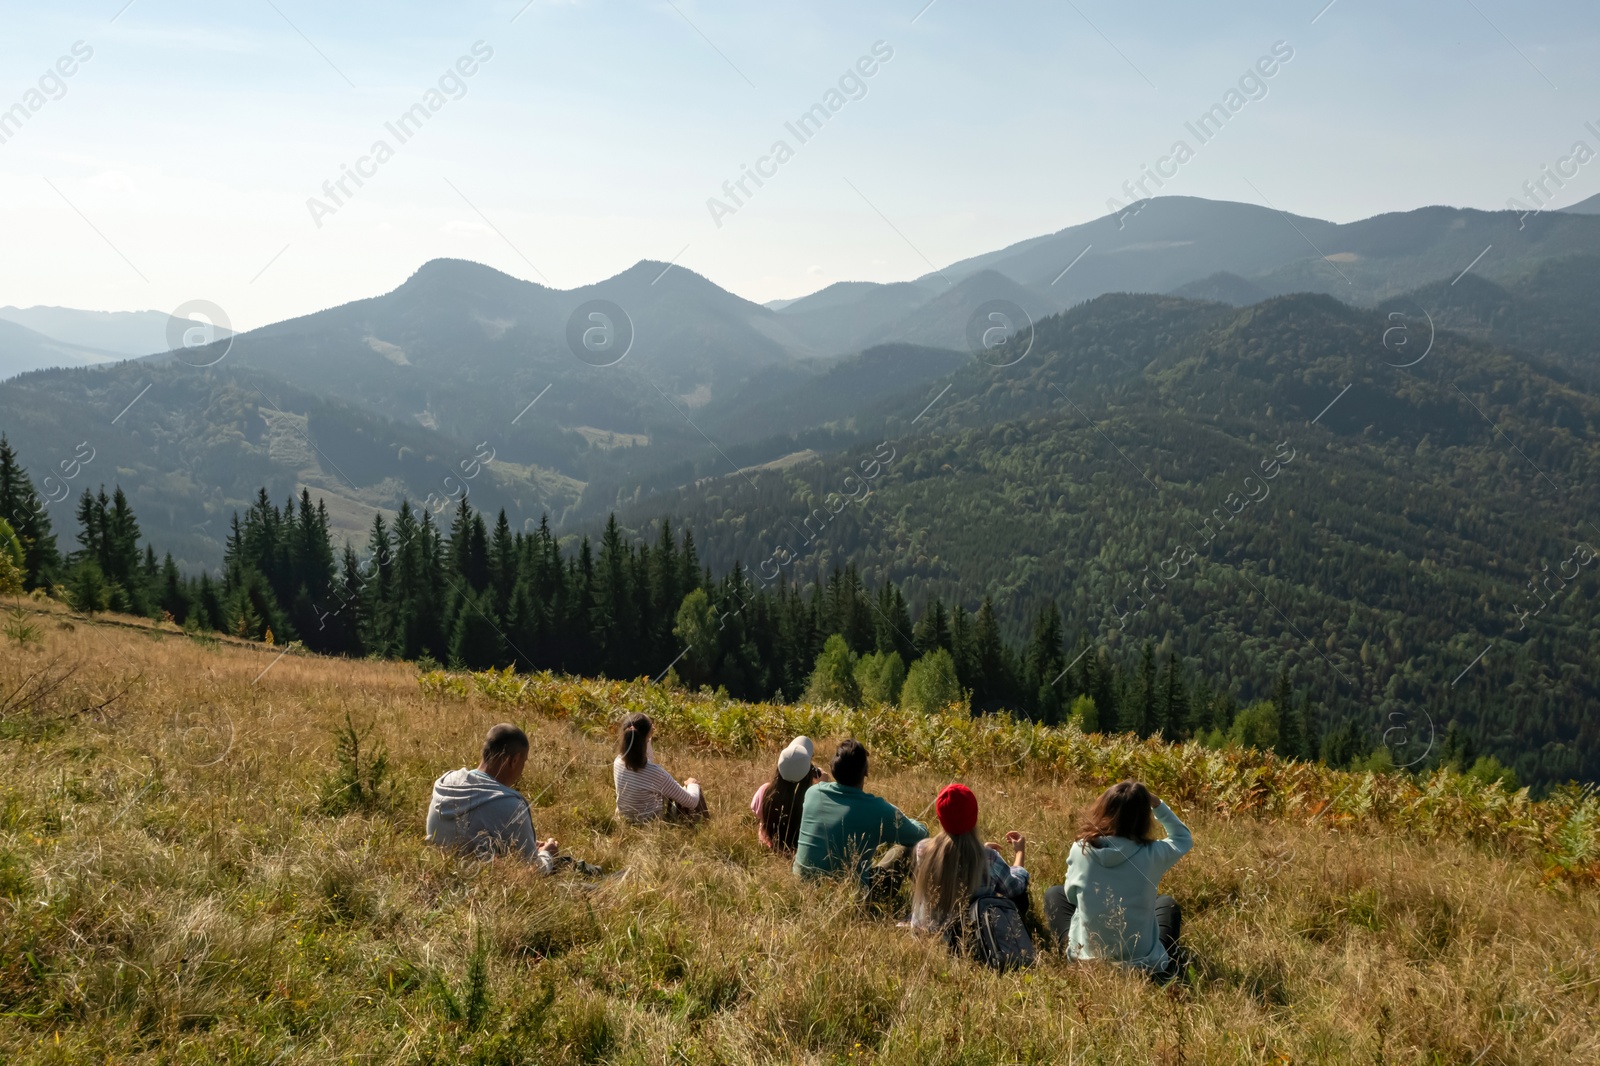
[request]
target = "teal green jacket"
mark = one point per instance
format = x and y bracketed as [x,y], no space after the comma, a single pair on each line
[841,823]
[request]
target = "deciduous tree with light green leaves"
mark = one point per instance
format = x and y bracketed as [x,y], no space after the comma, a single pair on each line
[1256,726]
[931,685]
[11,560]
[880,677]
[696,626]
[1084,714]
[834,677]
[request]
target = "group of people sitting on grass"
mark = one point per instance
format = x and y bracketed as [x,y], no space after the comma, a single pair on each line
[962,888]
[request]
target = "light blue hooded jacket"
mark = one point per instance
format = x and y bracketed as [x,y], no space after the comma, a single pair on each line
[1114,887]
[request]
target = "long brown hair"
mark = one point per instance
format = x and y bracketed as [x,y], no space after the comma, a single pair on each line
[780,809]
[633,744]
[1123,810]
[948,875]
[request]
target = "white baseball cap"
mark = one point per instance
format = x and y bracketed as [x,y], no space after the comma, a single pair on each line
[794,762]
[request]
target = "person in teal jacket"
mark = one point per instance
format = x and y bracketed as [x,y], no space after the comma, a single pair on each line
[841,824]
[1110,906]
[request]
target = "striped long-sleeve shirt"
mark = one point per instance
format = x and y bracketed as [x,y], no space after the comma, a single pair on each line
[641,793]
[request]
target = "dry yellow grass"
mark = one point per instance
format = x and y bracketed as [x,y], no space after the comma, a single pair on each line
[170,892]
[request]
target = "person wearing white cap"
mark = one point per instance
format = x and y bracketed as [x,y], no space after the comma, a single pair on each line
[777,803]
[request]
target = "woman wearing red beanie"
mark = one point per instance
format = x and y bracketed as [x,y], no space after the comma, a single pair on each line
[950,869]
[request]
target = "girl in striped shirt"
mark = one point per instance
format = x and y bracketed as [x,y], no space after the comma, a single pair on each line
[644,788]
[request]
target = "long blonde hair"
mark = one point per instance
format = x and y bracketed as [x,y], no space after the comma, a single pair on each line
[948,876]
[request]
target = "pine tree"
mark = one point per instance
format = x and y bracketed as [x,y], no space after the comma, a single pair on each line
[614,620]
[174,599]
[991,684]
[1044,662]
[375,622]
[475,641]
[1291,726]
[88,590]
[963,650]
[1174,710]
[892,628]
[933,629]
[91,515]
[502,564]
[345,617]
[1146,720]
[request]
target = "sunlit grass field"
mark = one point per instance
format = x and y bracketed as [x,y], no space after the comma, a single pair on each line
[211,851]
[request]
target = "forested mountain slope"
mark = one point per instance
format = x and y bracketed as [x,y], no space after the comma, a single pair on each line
[1548,311]
[192,446]
[1421,548]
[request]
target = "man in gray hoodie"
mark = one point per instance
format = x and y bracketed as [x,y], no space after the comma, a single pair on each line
[480,812]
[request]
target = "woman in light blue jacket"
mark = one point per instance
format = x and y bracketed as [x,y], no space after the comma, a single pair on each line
[1110,907]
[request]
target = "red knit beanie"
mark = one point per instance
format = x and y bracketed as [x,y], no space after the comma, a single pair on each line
[957,808]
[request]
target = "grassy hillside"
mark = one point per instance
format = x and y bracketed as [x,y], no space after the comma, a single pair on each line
[183,880]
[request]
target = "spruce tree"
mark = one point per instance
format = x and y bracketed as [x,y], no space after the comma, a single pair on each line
[1291,725]
[1146,721]
[1174,725]
[892,625]
[991,685]
[174,599]
[475,642]
[88,590]
[933,629]
[613,616]
[1043,664]
[502,563]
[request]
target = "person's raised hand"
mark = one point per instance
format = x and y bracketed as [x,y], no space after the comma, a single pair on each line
[1019,846]
[690,781]
[1155,801]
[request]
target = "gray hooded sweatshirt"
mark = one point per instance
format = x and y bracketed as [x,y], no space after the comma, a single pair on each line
[473,814]
[1113,886]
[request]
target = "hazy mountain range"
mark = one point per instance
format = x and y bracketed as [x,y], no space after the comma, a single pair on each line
[386,398]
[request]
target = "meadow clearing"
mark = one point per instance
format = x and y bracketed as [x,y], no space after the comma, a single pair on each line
[212,851]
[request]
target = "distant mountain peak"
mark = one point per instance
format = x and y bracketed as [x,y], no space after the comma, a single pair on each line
[457,269]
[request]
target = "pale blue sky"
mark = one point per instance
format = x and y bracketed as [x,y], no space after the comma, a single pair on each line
[594,136]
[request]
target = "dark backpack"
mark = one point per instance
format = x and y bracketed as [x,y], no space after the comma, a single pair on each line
[992,932]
